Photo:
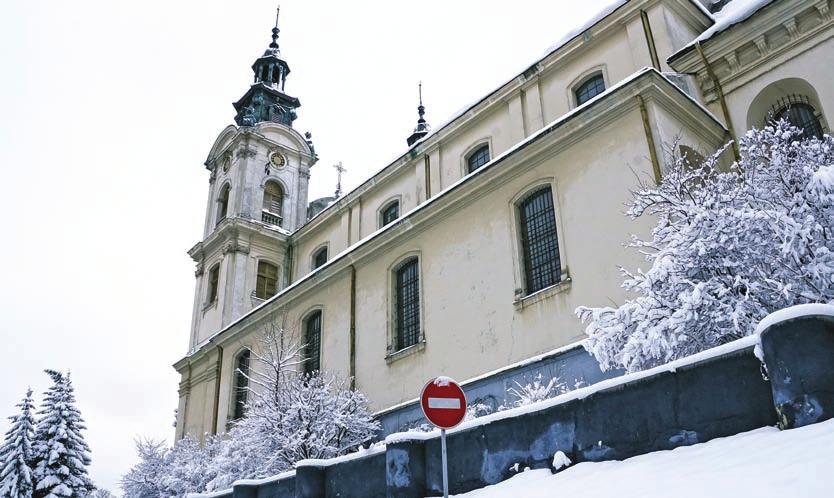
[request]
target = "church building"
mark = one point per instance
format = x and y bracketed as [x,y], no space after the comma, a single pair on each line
[467,255]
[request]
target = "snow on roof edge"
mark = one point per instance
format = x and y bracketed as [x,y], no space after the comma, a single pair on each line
[793,312]
[735,12]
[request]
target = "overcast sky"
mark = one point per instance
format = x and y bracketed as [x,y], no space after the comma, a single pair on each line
[107,112]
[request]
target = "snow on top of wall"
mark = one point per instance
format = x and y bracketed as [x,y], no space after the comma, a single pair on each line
[763,463]
[798,311]
[374,449]
[584,392]
[265,480]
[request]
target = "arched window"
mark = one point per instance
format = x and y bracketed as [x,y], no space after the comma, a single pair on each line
[223,203]
[407,304]
[589,89]
[267,281]
[539,241]
[241,394]
[213,281]
[798,111]
[320,257]
[273,202]
[312,342]
[390,213]
[477,158]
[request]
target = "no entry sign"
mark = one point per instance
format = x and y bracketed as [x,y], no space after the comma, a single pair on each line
[443,402]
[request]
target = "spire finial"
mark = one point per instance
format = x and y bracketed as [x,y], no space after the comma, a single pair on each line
[275,30]
[422,128]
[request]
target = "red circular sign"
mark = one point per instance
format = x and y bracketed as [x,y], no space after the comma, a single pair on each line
[443,402]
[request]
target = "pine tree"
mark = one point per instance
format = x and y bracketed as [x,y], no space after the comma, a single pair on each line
[61,454]
[16,453]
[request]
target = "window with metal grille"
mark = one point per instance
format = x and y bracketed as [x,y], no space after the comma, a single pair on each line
[592,87]
[312,342]
[223,204]
[539,241]
[241,394]
[391,212]
[478,158]
[267,282]
[213,280]
[320,257]
[798,111]
[407,304]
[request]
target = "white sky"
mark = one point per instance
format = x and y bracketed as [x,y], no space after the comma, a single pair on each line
[107,112]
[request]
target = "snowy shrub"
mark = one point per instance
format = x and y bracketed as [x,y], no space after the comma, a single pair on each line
[729,248]
[537,390]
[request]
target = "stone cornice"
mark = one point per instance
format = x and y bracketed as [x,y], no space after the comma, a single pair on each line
[557,136]
[743,51]
[228,235]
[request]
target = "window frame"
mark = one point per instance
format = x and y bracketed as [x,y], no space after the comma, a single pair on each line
[582,78]
[222,208]
[593,77]
[258,277]
[396,201]
[784,106]
[235,404]
[317,311]
[477,150]
[464,158]
[394,351]
[212,284]
[325,248]
[521,292]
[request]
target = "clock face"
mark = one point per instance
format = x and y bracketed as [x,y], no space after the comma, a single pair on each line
[277,159]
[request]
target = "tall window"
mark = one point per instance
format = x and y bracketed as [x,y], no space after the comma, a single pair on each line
[223,204]
[540,245]
[267,282]
[592,87]
[799,112]
[390,213]
[407,304]
[320,257]
[478,158]
[312,342]
[213,280]
[273,201]
[241,384]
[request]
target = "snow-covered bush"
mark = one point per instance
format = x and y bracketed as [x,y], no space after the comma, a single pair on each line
[537,390]
[16,453]
[60,454]
[729,248]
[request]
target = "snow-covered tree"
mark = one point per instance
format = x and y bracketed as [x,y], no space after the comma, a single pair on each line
[61,455]
[729,247]
[145,479]
[16,453]
[290,416]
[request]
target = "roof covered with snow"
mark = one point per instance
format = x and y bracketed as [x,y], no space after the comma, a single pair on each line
[734,12]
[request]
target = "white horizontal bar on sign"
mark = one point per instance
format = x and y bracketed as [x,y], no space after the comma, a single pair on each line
[448,403]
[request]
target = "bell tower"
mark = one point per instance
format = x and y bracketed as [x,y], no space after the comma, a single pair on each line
[259,171]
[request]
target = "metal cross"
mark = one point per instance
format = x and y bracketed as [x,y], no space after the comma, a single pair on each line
[340,169]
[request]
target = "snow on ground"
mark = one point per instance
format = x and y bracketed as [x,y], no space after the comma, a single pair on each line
[764,463]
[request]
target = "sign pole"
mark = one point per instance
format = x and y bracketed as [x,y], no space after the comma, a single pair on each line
[444,405]
[445,468]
